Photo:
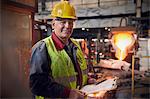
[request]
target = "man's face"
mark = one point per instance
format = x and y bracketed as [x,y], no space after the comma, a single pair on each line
[63,27]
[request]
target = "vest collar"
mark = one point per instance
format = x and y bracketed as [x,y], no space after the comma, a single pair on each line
[58,43]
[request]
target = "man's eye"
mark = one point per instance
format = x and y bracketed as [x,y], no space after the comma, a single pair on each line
[63,22]
[70,22]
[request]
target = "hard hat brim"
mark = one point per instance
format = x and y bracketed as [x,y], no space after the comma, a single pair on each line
[68,17]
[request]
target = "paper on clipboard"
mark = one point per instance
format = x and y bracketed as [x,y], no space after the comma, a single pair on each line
[107,85]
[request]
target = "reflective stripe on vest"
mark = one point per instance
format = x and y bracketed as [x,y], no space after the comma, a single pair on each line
[85,72]
[70,78]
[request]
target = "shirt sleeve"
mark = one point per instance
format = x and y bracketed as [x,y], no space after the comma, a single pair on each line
[41,80]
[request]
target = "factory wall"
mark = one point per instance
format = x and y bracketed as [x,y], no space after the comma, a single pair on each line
[144,53]
[106,11]
[16,45]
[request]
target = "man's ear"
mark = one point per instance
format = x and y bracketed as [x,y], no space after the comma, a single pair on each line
[52,24]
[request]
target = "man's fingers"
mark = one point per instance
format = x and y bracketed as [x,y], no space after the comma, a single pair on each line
[83,93]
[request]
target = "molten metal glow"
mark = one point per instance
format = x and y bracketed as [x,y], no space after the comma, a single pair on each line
[97,95]
[122,42]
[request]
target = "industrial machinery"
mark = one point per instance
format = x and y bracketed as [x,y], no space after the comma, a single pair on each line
[124,43]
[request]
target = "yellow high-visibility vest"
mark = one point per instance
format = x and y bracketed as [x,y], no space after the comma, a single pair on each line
[62,67]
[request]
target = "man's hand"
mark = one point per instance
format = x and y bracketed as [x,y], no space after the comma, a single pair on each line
[76,94]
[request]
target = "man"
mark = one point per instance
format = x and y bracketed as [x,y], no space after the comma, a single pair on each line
[58,68]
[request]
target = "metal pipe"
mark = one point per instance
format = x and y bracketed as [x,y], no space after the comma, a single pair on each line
[138,8]
[133,73]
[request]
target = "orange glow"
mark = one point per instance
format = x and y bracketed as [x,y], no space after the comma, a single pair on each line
[122,42]
[84,48]
[98,95]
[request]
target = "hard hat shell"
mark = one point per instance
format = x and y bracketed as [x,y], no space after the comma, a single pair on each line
[63,9]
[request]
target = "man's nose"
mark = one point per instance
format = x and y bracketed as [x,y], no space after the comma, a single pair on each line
[67,24]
